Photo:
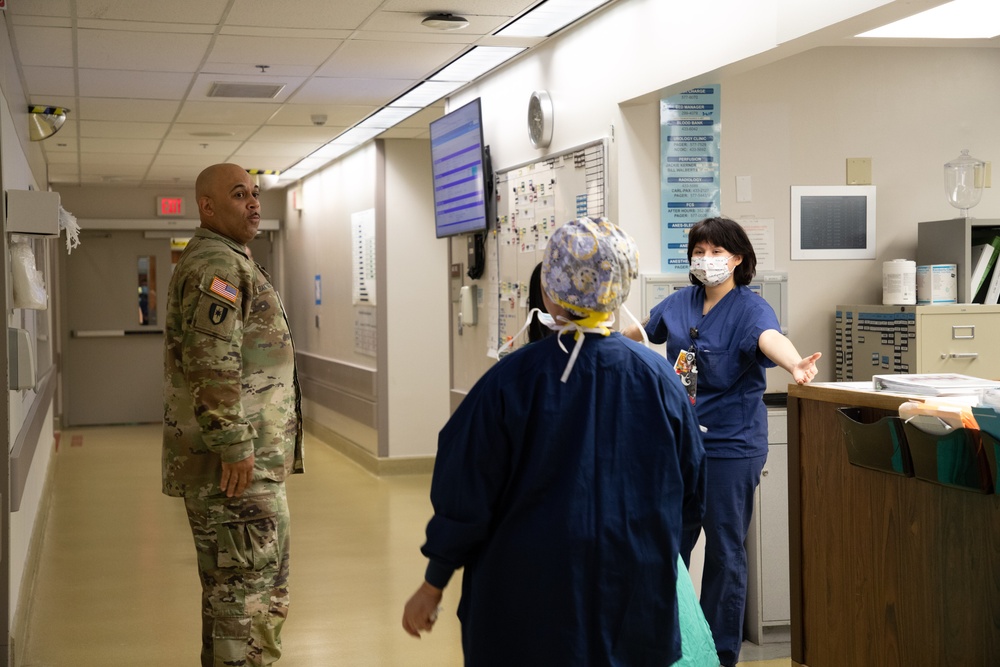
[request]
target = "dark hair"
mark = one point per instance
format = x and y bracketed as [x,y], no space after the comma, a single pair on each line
[536,330]
[729,235]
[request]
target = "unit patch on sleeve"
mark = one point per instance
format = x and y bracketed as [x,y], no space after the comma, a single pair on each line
[215,318]
[224,289]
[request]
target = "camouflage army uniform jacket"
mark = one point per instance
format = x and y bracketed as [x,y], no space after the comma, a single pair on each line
[230,387]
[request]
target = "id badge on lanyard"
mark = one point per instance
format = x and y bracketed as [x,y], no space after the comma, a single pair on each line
[686,368]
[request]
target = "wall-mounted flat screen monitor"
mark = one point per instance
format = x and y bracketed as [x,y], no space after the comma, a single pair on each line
[833,222]
[460,171]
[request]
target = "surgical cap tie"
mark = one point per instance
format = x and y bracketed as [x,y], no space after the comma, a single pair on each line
[595,323]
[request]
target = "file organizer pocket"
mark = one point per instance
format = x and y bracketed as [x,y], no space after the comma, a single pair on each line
[955,459]
[991,448]
[878,445]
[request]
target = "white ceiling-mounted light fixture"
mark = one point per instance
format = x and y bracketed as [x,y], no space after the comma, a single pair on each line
[45,121]
[445,22]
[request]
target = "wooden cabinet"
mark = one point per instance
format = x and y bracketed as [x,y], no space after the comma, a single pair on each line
[886,570]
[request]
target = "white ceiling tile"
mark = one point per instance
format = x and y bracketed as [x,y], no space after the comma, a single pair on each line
[100,108]
[48,47]
[175,11]
[225,112]
[203,131]
[49,81]
[125,84]
[140,50]
[186,172]
[143,148]
[145,26]
[271,51]
[370,92]
[41,21]
[316,135]
[60,144]
[215,147]
[61,157]
[104,160]
[313,32]
[307,14]
[279,72]
[279,149]
[194,161]
[110,129]
[60,173]
[381,60]
[42,8]
[337,115]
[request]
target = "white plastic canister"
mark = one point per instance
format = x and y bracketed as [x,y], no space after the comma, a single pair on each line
[899,282]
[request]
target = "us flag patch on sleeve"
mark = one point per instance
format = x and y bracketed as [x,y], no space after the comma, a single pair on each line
[224,289]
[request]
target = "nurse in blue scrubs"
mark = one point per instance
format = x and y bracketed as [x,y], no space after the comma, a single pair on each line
[721,337]
[548,490]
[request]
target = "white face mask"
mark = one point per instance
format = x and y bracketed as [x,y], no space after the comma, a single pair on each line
[545,320]
[711,271]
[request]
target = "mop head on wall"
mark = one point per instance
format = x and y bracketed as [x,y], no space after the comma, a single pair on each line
[68,222]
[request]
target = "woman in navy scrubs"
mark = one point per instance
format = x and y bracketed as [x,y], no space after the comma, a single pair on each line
[721,337]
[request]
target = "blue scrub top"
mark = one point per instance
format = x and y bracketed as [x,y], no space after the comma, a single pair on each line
[731,378]
[564,509]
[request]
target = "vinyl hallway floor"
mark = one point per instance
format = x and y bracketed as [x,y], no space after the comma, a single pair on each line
[116,581]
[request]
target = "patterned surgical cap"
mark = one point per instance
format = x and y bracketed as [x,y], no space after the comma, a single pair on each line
[589,266]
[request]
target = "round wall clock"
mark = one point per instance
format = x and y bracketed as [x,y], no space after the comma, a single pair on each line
[540,119]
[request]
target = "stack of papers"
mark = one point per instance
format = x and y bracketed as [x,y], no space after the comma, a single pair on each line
[933,384]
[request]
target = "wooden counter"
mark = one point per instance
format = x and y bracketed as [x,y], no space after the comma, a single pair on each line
[885,570]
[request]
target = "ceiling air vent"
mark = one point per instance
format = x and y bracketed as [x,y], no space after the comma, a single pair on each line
[257,91]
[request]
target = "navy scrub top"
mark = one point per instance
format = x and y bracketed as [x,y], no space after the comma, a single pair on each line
[731,377]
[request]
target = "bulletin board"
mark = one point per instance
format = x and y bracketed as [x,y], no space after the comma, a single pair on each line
[532,201]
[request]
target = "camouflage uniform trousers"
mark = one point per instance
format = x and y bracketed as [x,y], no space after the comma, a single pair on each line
[242,546]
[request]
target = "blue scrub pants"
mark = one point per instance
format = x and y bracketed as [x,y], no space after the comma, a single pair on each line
[728,509]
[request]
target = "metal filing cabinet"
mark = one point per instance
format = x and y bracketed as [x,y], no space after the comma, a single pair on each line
[879,340]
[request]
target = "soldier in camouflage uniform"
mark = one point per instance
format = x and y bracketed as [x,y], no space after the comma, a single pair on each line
[232,423]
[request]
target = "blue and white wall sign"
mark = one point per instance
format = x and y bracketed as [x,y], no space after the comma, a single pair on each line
[689,169]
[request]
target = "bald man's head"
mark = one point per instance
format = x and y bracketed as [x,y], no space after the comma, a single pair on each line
[228,201]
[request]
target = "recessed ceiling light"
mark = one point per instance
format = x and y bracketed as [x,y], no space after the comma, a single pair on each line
[960,19]
[549,17]
[444,22]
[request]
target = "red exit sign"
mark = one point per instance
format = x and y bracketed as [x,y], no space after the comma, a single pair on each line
[170,207]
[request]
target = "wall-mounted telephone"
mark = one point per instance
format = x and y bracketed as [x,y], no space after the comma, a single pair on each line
[477,255]
[470,308]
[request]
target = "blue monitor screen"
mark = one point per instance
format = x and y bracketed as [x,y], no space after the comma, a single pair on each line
[457,165]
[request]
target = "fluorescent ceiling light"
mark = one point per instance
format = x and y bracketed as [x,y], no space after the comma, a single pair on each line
[309,163]
[426,93]
[550,17]
[476,62]
[358,135]
[960,19]
[331,150]
[388,117]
